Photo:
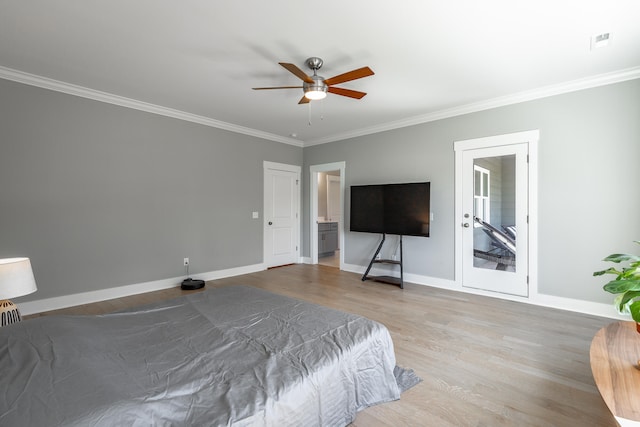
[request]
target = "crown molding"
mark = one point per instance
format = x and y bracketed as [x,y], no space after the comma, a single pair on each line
[543,92]
[530,95]
[96,95]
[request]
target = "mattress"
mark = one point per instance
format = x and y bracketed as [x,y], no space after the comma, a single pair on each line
[236,356]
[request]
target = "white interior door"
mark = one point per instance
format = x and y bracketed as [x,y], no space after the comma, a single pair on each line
[334,204]
[493,208]
[281,218]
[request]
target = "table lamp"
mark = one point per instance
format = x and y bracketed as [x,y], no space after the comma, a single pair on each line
[16,280]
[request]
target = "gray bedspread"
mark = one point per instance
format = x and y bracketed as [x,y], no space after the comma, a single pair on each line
[231,356]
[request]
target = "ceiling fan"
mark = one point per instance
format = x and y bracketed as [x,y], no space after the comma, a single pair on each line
[316,87]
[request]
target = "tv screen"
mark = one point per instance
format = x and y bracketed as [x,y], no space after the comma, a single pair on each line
[401,209]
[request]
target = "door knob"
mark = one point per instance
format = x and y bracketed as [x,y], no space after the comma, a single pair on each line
[270,223]
[465,225]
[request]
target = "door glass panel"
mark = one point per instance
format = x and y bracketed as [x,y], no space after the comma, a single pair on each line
[485,184]
[494,245]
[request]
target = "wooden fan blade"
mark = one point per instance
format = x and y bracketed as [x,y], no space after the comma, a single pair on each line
[346,92]
[277,87]
[350,75]
[297,71]
[304,100]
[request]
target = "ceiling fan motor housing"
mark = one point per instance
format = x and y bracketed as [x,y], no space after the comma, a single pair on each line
[318,85]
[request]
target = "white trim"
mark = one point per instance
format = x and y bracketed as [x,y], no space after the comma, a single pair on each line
[313,207]
[497,140]
[542,300]
[281,167]
[530,95]
[578,306]
[96,95]
[56,303]
[533,213]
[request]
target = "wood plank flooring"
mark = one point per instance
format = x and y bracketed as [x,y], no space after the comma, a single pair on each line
[484,362]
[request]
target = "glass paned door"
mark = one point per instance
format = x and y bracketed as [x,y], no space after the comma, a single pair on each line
[494,236]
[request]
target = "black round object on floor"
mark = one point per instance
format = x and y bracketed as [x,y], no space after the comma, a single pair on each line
[190,284]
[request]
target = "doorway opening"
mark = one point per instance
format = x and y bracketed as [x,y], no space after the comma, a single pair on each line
[327,214]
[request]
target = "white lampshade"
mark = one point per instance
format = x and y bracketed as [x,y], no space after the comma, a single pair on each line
[16,278]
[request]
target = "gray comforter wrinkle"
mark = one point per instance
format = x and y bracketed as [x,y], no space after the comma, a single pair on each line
[231,356]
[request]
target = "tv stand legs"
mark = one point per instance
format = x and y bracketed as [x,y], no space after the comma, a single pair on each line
[399,281]
[373,259]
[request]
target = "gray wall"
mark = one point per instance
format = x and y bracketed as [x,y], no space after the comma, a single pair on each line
[588,178]
[100,196]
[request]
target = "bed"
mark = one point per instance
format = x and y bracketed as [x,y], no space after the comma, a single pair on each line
[236,356]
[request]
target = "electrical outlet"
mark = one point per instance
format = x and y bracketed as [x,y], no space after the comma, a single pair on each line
[186,261]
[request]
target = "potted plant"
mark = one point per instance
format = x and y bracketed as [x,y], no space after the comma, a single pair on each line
[626,284]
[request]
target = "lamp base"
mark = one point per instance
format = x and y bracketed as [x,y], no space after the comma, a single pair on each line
[190,284]
[9,313]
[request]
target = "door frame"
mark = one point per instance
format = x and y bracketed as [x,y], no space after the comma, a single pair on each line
[314,170]
[288,168]
[531,138]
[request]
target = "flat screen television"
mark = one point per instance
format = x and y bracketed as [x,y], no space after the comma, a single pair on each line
[401,209]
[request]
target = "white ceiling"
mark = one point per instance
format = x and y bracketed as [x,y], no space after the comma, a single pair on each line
[431,58]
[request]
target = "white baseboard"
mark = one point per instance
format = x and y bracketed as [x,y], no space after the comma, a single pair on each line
[56,303]
[579,306]
[544,300]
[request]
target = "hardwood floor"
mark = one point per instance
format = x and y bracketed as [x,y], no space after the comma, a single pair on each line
[332,260]
[484,362]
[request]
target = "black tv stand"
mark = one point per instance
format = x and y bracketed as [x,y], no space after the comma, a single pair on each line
[393,280]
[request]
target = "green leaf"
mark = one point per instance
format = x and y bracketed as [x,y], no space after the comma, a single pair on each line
[635,311]
[621,286]
[609,270]
[628,296]
[629,272]
[622,308]
[622,257]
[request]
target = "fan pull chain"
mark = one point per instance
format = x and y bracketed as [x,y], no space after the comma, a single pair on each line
[321,112]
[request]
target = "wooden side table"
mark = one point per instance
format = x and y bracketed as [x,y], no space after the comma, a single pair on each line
[614,355]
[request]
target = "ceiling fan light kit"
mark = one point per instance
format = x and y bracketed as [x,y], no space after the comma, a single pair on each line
[316,87]
[316,90]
